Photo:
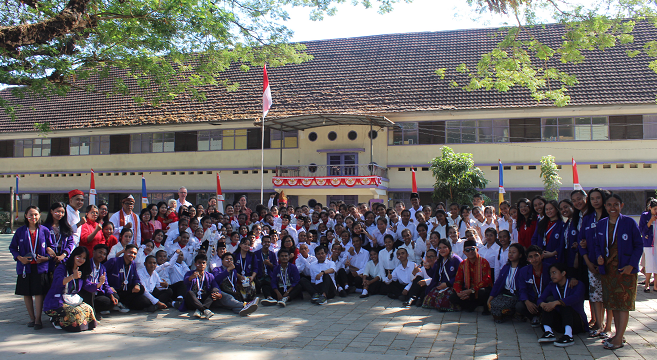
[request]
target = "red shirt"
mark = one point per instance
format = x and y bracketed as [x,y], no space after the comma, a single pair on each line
[87,229]
[33,240]
[525,234]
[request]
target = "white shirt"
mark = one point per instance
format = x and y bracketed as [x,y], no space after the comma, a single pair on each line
[401,227]
[149,282]
[413,211]
[136,229]
[374,270]
[318,267]
[303,264]
[188,252]
[232,248]
[163,270]
[489,253]
[503,258]
[73,218]
[440,229]
[483,226]
[503,224]
[385,261]
[457,248]
[463,227]
[412,257]
[453,222]
[179,204]
[177,271]
[359,260]
[114,250]
[403,275]
[376,234]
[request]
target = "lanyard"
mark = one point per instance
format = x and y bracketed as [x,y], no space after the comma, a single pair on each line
[444,270]
[199,283]
[264,266]
[546,234]
[231,281]
[56,240]
[34,246]
[75,287]
[126,274]
[95,272]
[538,288]
[565,289]
[511,279]
[284,278]
[613,237]
[565,234]
[243,263]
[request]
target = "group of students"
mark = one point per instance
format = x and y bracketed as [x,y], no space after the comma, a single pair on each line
[539,260]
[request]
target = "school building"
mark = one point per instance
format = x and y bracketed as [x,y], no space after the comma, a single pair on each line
[349,124]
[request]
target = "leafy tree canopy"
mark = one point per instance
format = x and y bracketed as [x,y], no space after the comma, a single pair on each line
[457,178]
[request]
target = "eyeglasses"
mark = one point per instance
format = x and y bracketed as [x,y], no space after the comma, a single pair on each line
[469,249]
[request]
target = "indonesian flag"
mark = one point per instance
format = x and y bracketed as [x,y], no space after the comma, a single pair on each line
[414,188]
[220,196]
[92,189]
[576,185]
[266,93]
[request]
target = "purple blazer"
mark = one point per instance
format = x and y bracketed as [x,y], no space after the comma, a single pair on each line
[446,274]
[555,242]
[21,245]
[116,274]
[91,283]
[261,262]
[587,231]
[249,262]
[525,283]
[646,231]
[292,273]
[573,298]
[500,280]
[208,284]
[61,245]
[571,235]
[220,274]
[54,299]
[628,238]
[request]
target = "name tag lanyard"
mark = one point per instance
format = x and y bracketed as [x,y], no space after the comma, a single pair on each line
[546,234]
[613,237]
[32,247]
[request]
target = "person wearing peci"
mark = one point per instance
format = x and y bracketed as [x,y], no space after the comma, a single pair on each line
[503,297]
[526,223]
[648,227]
[96,291]
[128,219]
[29,249]
[62,238]
[442,274]
[473,282]
[563,308]
[549,233]
[532,281]
[91,233]
[75,203]
[122,276]
[619,247]
[63,303]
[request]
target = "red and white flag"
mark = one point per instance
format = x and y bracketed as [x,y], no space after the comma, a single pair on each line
[576,185]
[92,189]
[266,93]
[414,188]
[220,196]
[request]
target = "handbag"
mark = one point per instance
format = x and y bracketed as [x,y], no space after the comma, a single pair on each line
[71,299]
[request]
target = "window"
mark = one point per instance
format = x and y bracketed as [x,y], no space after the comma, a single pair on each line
[405,134]
[332,135]
[525,130]
[186,141]
[6,149]
[477,131]
[100,145]
[626,127]
[431,132]
[289,139]
[163,142]
[234,139]
[650,126]
[312,136]
[352,135]
[209,140]
[578,128]
[32,147]
[90,145]
[141,143]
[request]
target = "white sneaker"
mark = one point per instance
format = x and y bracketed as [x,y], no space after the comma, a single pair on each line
[106,312]
[359,291]
[283,302]
[121,308]
[269,301]
[197,314]
[249,308]
[208,313]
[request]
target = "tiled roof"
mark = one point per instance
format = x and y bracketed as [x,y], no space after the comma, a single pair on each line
[374,74]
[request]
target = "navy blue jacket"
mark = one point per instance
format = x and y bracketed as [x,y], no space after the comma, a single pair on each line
[526,286]
[292,273]
[555,242]
[116,274]
[500,281]
[573,298]
[628,238]
[261,262]
[646,231]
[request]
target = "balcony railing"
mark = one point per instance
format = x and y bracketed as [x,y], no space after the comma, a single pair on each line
[331,170]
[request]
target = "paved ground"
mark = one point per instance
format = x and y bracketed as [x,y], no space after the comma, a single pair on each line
[375,328]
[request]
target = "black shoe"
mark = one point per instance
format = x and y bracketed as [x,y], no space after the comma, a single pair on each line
[30,324]
[342,293]
[410,301]
[547,337]
[98,316]
[485,312]
[565,341]
[152,308]
[38,326]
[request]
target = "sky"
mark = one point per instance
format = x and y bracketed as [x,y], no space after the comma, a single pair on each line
[418,16]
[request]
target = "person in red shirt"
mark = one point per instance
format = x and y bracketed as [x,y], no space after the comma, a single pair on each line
[108,234]
[526,223]
[91,232]
[473,284]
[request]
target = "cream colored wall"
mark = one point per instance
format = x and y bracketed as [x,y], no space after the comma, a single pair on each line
[310,155]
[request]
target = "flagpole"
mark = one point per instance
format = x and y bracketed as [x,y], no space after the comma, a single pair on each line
[262,162]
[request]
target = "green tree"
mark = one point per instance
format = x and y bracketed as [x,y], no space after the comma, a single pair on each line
[551,178]
[457,178]
[165,47]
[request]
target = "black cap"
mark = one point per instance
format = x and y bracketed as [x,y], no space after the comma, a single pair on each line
[468,243]
[415,195]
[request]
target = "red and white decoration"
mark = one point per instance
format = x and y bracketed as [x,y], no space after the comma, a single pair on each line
[349,181]
[576,185]
[266,93]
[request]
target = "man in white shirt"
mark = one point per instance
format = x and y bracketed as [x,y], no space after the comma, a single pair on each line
[415,206]
[127,218]
[75,203]
[405,223]
[357,259]
[305,260]
[152,284]
[454,216]
[182,195]
[321,285]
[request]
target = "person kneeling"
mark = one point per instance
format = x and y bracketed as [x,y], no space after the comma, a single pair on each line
[563,308]
[285,279]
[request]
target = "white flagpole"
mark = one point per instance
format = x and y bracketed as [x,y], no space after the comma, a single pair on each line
[262,163]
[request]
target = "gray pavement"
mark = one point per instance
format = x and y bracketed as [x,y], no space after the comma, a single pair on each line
[349,328]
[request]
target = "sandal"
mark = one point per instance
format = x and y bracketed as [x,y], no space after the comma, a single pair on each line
[603,335]
[30,324]
[612,347]
[646,289]
[593,334]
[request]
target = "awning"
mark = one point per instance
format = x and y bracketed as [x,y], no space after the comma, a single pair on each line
[303,122]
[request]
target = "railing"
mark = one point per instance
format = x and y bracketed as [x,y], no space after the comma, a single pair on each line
[332,170]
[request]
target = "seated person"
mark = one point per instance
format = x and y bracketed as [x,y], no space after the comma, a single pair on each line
[96,291]
[421,280]
[304,260]
[356,260]
[203,293]
[63,303]
[533,279]
[563,308]
[372,275]
[442,274]
[246,265]
[401,279]
[285,279]
[321,285]
[155,289]
[122,277]
[473,283]
[504,296]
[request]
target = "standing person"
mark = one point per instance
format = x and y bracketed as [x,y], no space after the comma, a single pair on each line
[63,303]
[91,233]
[146,226]
[442,275]
[490,249]
[580,203]
[504,241]
[473,283]
[595,212]
[538,204]
[162,215]
[103,213]
[415,206]
[549,234]
[503,297]
[466,222]
[619,246]
[526,223]
[28,247]
[75,203]
[62,239]
[154,211]
[182,196]
[128,219]
[571,244]
[647,227]
[566,310]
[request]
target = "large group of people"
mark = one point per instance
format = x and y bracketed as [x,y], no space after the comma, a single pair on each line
[536,261]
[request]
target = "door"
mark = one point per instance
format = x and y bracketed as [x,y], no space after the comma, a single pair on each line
[343,164]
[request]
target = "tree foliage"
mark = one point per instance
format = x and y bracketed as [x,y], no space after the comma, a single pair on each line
[551,178]
[163,48]
[525,59]
[457,178]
